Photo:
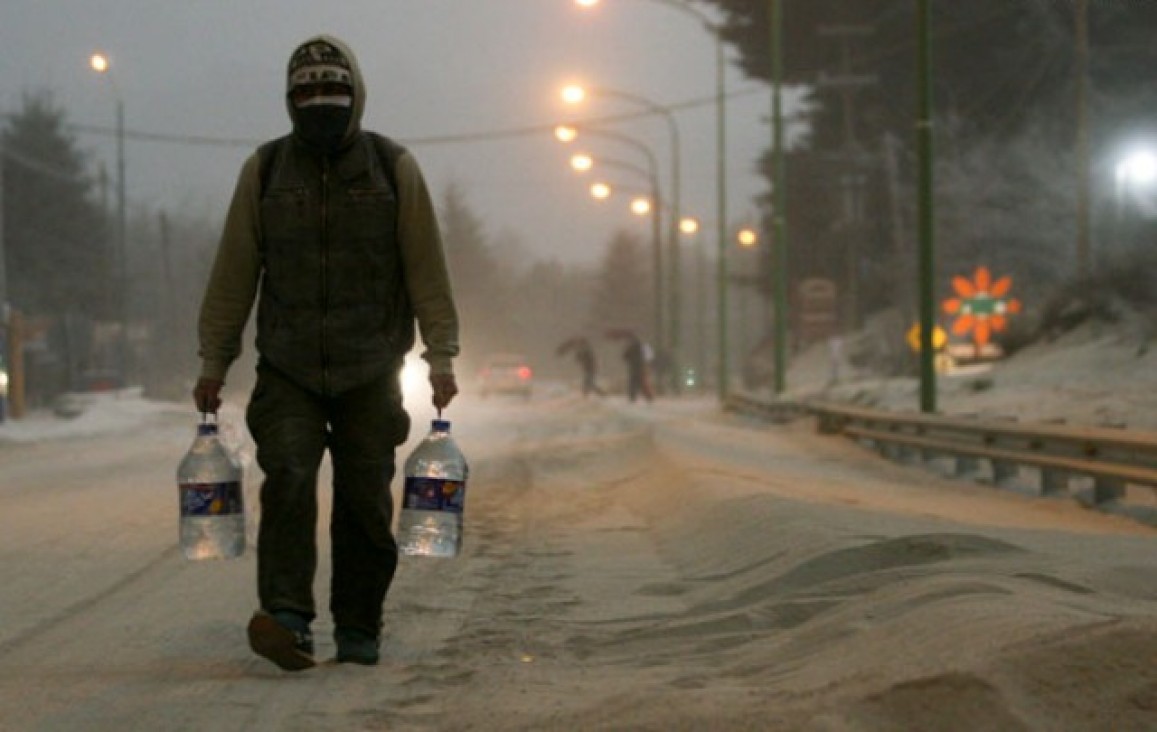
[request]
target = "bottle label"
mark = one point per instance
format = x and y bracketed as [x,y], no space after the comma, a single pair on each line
[211,499]
[434,494]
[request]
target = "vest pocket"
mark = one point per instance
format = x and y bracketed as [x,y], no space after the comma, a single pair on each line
[284,213]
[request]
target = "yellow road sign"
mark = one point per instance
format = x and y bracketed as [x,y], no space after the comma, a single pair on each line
[939,338]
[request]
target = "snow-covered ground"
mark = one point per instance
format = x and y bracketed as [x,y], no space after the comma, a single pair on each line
[1095,375]
[635,567]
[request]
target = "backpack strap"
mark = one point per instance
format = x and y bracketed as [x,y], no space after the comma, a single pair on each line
[388,154]
[266,154]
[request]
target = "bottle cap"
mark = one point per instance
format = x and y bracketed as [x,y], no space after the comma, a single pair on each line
[440,425]
[207,428]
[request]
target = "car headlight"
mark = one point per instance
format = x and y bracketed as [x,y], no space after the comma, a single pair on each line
[415,385]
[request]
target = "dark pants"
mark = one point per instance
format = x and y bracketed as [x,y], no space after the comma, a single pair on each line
[590,386]
[292,428]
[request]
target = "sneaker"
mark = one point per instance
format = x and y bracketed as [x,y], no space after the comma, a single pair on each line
[282,637]
[356,646]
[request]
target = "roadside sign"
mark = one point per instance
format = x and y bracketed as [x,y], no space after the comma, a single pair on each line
[939,338]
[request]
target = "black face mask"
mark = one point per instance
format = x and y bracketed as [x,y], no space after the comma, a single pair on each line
[323,126]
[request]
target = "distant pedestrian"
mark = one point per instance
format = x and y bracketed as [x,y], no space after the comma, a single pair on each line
[585,356]
[638,355]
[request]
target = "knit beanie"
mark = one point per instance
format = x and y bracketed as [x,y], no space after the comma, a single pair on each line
[318,62]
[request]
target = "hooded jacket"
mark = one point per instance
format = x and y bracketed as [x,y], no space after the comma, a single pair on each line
[340,261]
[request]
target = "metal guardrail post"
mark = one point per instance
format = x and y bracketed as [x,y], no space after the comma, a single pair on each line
[965,465]
[1108,489]
[1004,471]
[1054,482]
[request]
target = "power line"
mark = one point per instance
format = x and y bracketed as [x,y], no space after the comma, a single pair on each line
[37,166]
[484,136]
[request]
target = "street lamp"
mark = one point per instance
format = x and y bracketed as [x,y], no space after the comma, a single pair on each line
[779,281]
[600,190]
[716,32]
[1134,175]
[570,133]
[1136,172]
[690,226]
[747,239]
[582,163]
[575,94]
[100,64]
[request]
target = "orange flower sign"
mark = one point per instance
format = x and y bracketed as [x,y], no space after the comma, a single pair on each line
[981,305]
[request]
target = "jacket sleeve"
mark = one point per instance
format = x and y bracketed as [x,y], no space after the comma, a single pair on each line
[233,280]
[427,276]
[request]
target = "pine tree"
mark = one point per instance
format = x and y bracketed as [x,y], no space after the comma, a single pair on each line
[55,237]
[622,289]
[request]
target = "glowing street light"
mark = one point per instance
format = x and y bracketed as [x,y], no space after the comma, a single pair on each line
[601,191]
[582,162]
[1135,176]
[747,238]
[1139,168]
[689,225]
[573,94]
[566,133]
[641,206]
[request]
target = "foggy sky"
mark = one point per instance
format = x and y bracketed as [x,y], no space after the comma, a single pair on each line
[433,68]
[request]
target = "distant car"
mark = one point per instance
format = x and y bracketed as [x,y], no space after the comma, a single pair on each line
[505,373]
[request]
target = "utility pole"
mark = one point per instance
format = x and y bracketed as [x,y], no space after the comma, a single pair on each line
[122,249]
[924,148]
[1084,194]
[3,255]
[170,312]
[3,304]
[779,212]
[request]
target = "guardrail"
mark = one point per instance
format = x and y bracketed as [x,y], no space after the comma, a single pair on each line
[1111,458]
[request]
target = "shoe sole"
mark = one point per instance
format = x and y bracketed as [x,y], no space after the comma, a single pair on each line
[359,660]
[272,641]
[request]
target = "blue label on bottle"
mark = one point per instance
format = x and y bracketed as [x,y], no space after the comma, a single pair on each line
[211,499]
[434,494]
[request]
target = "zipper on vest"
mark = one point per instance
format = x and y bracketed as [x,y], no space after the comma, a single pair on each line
[324,271]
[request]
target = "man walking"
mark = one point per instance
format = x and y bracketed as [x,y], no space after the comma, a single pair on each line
[331,230]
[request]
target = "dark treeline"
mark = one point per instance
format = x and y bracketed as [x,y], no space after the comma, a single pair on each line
[64,275]
[1005,99]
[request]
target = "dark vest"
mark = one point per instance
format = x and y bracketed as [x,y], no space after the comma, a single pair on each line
[333,312]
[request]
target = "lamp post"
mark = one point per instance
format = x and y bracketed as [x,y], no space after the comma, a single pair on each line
[779,207]
[575,94]
[926,216]
[101,65]
[582,163]
[690,227]
[747,240]
[570,133]
[716,32]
